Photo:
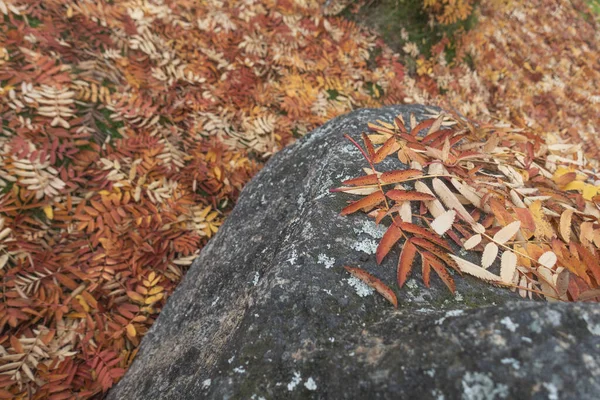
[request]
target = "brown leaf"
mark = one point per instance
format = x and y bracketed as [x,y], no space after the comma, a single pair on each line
[389,239]
[565,225]
[368,145]
[425,270]
[369,201]
[405,263]
[408,195]
[375,283]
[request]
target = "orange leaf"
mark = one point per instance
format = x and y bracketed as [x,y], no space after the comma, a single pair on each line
[375,283]
[405,262]
[408,195]
[369,201]
[384,150]
[362,180]
[368,145]
[389,239]
[425,270]
[439,268]
[398,176]
[419,230]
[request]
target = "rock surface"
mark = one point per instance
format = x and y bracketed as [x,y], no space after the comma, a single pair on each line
[267,311]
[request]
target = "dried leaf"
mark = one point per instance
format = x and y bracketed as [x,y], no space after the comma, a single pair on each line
[389,239]
[443,222]
[441,271]
[375,283]
[362,180]
[475,270]
[408,195]
[565,225]
[508,267]
[369,201]
[548,259]
[405,263]
[399,176]
[507,233]
[425,233]
[489,255]
[472,242]
[450,199]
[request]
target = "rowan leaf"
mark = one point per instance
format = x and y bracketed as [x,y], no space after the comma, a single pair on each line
[443,222]
[375,283]
[399,176]
[368,201]
[548,259]
[565,225]
[490,252]
[472,242]
[389,239]
[441,271]
[508,266]
[475,270]
[405,262]
[408,195]
[507,233]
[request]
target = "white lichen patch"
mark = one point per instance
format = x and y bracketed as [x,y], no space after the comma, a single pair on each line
[509,324]
[256,278]
[458,296]
[295,381]
[412,284]
[592,327]
[512,362]
[293,257]
[310,384]
[478,386]
[368,246]
[554,317]
[327,261]
[552,391]
[206,384]
[362,289]
[370,228]
[240,370]
[451,313]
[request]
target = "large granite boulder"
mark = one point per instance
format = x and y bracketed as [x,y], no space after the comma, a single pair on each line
[268,312]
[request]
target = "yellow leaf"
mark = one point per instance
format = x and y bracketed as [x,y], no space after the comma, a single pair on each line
[543,229]
[575,185]
[589,191]
[131,332]
[49,212]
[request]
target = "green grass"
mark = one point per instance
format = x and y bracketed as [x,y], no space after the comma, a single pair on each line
[388,17]
[594,6]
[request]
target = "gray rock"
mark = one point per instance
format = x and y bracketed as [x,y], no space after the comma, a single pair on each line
[267,311]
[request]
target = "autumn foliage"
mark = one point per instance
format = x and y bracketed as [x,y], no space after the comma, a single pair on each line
[129,129]
[523,207]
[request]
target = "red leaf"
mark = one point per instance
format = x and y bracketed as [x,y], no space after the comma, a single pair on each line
[419,230]
[369,201]
[408,195]
[439,268]
[389,239]
[426,270]
[398,176]
[405,262]
[375,283]
[423,125]
[362,180]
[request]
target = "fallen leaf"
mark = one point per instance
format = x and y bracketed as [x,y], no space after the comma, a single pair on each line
[507,233]
[548,259]
[405,262]
[369,201]
[475,270]
[399,176]
[409,195]
[565,225]
[472,242]
[508,266]
[443,222]
[489,255]
[375,283]
[389,239]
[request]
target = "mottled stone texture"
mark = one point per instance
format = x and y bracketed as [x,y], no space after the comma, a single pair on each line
[267,310]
